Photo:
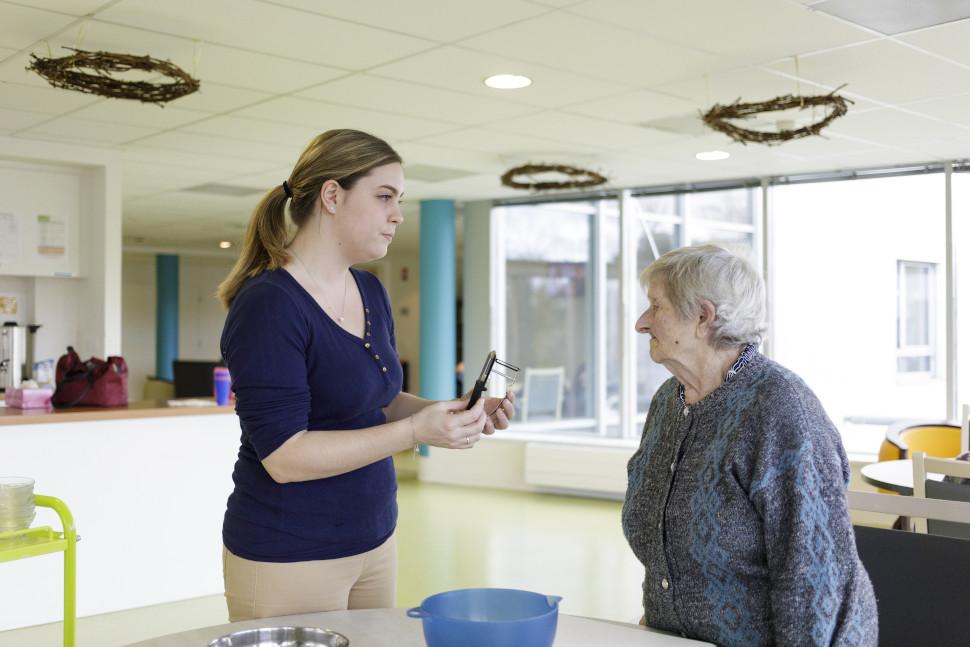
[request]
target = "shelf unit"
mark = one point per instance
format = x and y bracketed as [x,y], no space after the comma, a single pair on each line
[42,540]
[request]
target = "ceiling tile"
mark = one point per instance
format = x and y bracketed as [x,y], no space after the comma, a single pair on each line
[580,130]
[428,154]
[464,70]
[431,19]
[82,130]
[45,100]
[14,120]
[72,7]
[135,113]
[890,127]
[270,29]
[324,116]
[256,130]
[751,31]
[948,40]
[167,157]
[222,146]
[368,91]
[594,49]
[884,71]
[955,109]
[509,146]
[218,98]
[22,26]
[634,107]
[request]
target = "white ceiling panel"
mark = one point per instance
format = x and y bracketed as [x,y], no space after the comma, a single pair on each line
[949,40]
[430,155]
[168,157]
[952,109]
[509,145]
[579,130]
[70,7]
[438,21]
[749,31]
[84,131]
[574,43]
[221,146]
[14,120]
[634,107]
[326,116]
[747,84]
[270,29]
[368,91]
[136,113]
[295,138]
[464,70]
[894,128]
[885,71]
[950,149]
[22,26]
[45,100]
[218,98]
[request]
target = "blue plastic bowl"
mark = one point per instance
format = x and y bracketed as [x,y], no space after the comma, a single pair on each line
[488,618]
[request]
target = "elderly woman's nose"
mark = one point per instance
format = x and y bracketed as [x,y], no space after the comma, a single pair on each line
[642,326]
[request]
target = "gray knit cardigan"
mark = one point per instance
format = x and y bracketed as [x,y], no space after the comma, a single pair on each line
[736,507]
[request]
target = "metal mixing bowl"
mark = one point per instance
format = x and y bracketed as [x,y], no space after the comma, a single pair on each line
[282,637]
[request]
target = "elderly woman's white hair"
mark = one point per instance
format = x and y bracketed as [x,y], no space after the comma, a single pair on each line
[692,275]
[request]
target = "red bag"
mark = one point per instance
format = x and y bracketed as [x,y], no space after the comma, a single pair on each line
[96,382]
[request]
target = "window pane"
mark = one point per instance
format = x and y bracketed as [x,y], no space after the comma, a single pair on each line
[550,322]
[738,242]
[735,205]
[917,305]
[961,237]
[836,247]
[610,222]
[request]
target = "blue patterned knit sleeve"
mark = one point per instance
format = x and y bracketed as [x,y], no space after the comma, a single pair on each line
[820,593]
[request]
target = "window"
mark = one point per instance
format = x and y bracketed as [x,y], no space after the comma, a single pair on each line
[915,325]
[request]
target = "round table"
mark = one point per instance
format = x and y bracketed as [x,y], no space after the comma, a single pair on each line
[382,627]
[893,475]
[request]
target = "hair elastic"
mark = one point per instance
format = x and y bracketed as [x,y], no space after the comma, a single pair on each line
[286,190]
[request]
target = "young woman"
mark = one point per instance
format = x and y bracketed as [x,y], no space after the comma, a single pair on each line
[309,342]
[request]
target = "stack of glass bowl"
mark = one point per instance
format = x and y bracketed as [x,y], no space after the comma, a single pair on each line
[16,503]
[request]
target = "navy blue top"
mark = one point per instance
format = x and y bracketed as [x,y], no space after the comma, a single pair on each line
[294,368]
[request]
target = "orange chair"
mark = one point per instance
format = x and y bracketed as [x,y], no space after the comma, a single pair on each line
[937,439]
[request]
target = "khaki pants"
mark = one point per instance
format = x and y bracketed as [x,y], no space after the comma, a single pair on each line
[266,589]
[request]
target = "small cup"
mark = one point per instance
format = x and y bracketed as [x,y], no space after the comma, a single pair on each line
[221,383]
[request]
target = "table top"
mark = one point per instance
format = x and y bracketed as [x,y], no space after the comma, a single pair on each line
[139,409]
[893,475]
[382,627]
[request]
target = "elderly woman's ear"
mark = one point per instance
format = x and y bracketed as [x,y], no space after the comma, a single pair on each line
[705,319]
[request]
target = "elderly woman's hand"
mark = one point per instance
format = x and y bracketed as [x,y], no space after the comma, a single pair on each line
[500,411]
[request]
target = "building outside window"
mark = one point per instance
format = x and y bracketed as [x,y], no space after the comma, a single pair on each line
[915,325]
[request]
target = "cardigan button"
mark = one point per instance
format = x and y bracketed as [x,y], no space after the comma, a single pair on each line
[664,584]
[384,368]
[368,323]
[376,356]
[367,344]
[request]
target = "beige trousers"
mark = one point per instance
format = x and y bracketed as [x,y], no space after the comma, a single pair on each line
[265,589]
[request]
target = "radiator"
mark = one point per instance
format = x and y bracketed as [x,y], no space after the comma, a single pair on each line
[577,469]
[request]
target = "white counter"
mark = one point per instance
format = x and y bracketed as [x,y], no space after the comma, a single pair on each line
[148,495]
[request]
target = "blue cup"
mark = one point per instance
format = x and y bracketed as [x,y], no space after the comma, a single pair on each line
[221,384]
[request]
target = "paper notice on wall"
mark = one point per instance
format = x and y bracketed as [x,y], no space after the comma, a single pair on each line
[51,235]
[8,304]
[9,238]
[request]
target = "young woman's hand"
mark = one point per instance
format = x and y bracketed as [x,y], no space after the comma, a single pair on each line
[448,424]
[499,412]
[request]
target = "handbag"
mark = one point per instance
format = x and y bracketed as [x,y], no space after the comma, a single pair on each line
[95,383]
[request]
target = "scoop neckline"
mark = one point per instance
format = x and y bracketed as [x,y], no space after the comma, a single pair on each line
[363,301]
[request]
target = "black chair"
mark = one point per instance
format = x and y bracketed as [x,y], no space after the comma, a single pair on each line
[922,585]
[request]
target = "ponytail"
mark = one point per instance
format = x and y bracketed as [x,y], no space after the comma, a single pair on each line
[341,155]
[264,247]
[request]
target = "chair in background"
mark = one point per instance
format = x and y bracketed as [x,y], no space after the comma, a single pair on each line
[939,439]
[920,580]
[924,488]
[542,392]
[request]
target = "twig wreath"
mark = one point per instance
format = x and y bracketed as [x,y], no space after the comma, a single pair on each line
[69,72]
[719,117]
[585,177]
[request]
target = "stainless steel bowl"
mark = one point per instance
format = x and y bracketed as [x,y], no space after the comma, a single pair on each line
[282,637]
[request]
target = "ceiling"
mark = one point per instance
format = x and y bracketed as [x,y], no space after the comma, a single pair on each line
[274,73]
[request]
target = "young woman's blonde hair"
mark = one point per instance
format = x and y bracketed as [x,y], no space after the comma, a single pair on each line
[341,155]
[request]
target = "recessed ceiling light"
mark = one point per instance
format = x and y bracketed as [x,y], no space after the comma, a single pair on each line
[712,156]
[508,81]
[225,244]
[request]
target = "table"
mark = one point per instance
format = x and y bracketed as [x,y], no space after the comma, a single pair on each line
[893,475]
[382,627]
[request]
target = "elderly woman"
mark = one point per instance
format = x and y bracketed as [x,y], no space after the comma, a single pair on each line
[736,500]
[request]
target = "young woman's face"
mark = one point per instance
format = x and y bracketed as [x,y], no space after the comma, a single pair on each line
[367,216]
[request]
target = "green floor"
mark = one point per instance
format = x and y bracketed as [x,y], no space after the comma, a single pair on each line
[455,537]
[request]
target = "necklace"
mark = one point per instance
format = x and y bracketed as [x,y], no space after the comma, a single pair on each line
[343,304]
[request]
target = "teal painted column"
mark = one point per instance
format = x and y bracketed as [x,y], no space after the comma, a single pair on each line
[166,314]
[437,375]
